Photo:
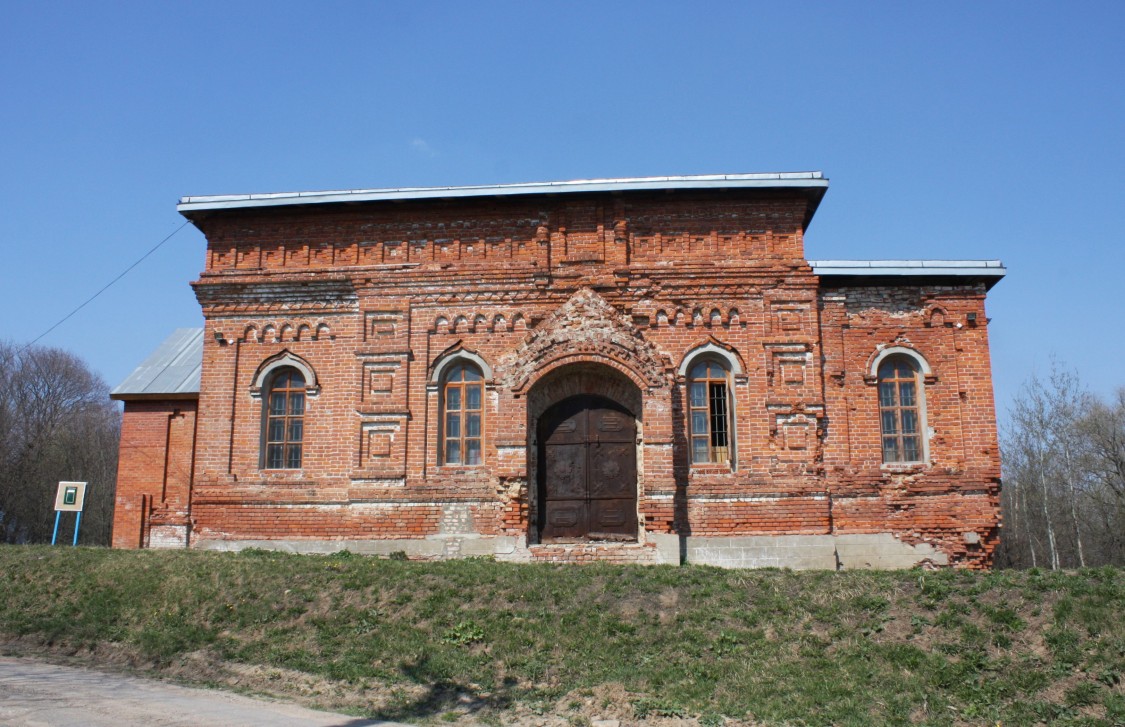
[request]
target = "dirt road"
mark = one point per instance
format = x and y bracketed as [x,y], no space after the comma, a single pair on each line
[34,694]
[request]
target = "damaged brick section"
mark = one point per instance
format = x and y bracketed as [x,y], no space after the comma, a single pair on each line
[472,370]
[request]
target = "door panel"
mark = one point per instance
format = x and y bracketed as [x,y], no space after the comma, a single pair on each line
[566,471]
[588,471]
[570,426]
[609,423]
[566,519]
[613,519]
[613,469]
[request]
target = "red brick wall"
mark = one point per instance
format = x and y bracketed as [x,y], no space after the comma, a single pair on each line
[372,296]
[958,491]
[154,469]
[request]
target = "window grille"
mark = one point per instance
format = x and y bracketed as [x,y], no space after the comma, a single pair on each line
[709,413]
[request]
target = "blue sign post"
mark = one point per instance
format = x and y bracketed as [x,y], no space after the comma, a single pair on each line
[70,498]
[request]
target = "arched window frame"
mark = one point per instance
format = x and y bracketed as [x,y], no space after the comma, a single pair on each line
[282,360]
[459,355]
[902,426]
[711,350]
[461,411]
[712,353]
[283,418]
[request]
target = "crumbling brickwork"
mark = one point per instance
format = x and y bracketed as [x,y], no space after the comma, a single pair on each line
[612,296]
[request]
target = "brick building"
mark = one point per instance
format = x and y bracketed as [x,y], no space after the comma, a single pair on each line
[643,370]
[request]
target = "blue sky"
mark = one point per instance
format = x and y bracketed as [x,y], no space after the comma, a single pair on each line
[948,130]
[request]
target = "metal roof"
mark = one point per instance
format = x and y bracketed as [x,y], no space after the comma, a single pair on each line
[990,271]
[793,180]
[170,372]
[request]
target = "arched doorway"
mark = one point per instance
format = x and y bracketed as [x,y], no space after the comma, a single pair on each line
[587,471]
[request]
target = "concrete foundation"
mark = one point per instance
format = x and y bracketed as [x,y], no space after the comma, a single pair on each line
[799,552]
[431,548]
[881,551]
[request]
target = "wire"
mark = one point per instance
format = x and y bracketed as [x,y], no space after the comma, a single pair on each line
[104,288]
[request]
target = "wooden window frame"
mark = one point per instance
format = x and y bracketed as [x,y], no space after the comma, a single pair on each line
[455,399]
[717,387]
[289,383]
[894,375]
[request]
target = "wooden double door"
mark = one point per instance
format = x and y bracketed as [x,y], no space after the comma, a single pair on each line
[587,471]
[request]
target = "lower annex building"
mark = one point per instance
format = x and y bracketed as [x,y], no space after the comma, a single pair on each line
[639,370]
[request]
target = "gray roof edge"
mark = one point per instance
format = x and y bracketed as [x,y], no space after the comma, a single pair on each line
[807,180]
[181,396]
[910,267]
[173,369]
[991,270]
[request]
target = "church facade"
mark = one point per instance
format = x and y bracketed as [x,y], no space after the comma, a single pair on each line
[636,370]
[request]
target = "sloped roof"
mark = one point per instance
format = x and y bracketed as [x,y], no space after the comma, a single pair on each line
[170,372]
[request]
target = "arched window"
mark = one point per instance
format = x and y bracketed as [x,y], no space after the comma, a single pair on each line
[709,413]
[462,413]
[900,410]
[284,420]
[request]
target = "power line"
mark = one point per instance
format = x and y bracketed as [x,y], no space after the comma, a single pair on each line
[104,288]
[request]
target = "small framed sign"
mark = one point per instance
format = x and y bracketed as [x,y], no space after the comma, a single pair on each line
[70,497]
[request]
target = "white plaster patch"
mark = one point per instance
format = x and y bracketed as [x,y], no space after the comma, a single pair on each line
[168,537]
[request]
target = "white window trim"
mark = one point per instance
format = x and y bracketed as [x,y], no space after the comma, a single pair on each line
[710,349]
[889,351]
[453,358]
[312,388]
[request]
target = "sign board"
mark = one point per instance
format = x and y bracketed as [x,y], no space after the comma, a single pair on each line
[70,497]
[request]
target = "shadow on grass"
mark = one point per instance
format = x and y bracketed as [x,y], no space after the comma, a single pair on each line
[444,695]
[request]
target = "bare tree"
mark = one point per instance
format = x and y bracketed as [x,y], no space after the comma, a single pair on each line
[1104,428]
[1064,489]
[56,423]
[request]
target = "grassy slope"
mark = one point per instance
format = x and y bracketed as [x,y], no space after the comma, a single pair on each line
[406,640]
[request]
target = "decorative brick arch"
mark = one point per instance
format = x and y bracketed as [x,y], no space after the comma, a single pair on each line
[574,378]
[586,347]
[571,363]
[585,329]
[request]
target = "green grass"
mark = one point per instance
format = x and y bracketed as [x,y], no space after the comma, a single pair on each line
[491,641]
